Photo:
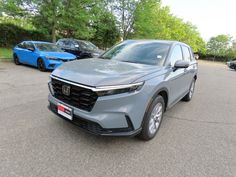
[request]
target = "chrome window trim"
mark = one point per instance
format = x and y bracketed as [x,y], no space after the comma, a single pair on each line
[101,88]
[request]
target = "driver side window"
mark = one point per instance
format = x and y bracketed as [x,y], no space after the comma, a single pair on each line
[176,55]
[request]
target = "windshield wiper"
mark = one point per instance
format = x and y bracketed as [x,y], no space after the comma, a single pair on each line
[102,57]
[127,61]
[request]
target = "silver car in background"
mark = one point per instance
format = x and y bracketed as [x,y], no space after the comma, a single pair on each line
[126,90]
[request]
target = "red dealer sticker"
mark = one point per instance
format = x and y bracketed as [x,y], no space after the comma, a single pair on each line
[64,111]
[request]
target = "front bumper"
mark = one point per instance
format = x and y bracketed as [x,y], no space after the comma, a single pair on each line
[53,64]
[114,115]
[95,128]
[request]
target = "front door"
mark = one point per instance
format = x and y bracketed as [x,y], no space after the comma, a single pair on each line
[176,78]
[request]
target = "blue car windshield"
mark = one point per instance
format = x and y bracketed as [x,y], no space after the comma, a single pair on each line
[48,47]
[150,53]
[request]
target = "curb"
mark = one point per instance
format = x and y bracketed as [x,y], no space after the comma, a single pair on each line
[6,60]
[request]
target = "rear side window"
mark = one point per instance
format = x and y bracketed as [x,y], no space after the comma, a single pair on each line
[21,45]
[72,45]
[186,53]
[67,44]
[60,43]
[29,45]
[176,55]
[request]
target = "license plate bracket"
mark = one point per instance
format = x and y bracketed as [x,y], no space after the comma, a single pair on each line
[65,111]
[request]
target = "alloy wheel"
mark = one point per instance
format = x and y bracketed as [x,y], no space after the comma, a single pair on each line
[41,66]
[155,118]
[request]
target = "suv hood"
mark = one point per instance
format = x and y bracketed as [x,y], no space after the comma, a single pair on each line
[102,72]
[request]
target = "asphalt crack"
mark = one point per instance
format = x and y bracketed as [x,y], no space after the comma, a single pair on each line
[200,121]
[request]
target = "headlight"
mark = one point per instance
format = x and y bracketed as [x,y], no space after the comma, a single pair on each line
[95,54]
[51,58]
[113,90]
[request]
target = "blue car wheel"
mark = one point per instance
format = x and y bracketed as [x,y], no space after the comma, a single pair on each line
[41,65]
[16,59]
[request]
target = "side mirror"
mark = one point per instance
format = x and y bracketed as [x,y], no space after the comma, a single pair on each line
[77,47]
[30,49]
[196,56]
[181,64]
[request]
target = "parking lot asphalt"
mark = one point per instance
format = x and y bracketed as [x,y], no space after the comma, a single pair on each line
[197,139]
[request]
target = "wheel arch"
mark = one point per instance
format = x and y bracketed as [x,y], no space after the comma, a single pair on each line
[37,65]
[164,93]
[16,57]
[39,57]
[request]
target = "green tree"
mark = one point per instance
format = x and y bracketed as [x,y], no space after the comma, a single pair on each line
[67,18]
[219,45]
[153,21]
[18,8]
[107,32]
[124,12]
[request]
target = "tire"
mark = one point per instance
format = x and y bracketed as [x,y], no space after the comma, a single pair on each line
[235,67]
[151,120]
[41,65]
[189,96]
[16,59]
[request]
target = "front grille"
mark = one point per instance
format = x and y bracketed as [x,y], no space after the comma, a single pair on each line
[79,97]
[88,125]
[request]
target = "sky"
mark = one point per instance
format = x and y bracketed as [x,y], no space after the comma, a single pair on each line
[212,17]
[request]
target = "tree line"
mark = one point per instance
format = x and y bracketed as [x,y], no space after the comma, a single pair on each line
[220,48]
[104,22]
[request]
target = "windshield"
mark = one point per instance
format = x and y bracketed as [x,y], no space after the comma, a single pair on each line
[143,52]
[48,47]
[87,45]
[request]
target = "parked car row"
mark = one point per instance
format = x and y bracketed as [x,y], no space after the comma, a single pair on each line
[81,49]
[45,55]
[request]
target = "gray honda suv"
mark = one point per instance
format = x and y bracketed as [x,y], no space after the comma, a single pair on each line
[126,90]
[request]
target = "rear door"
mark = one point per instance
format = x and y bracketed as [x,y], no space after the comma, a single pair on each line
[190,71]
[30,57]
[67,46]
[20,50]
[61,44]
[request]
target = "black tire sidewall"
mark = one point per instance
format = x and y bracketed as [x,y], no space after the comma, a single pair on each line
[187,97]
[16,59]
[145,134]
[41,68]
[193,82]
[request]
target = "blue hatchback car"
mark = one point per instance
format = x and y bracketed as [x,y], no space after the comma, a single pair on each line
[43,55]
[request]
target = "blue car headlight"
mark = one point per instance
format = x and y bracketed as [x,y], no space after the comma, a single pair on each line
[51,58]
